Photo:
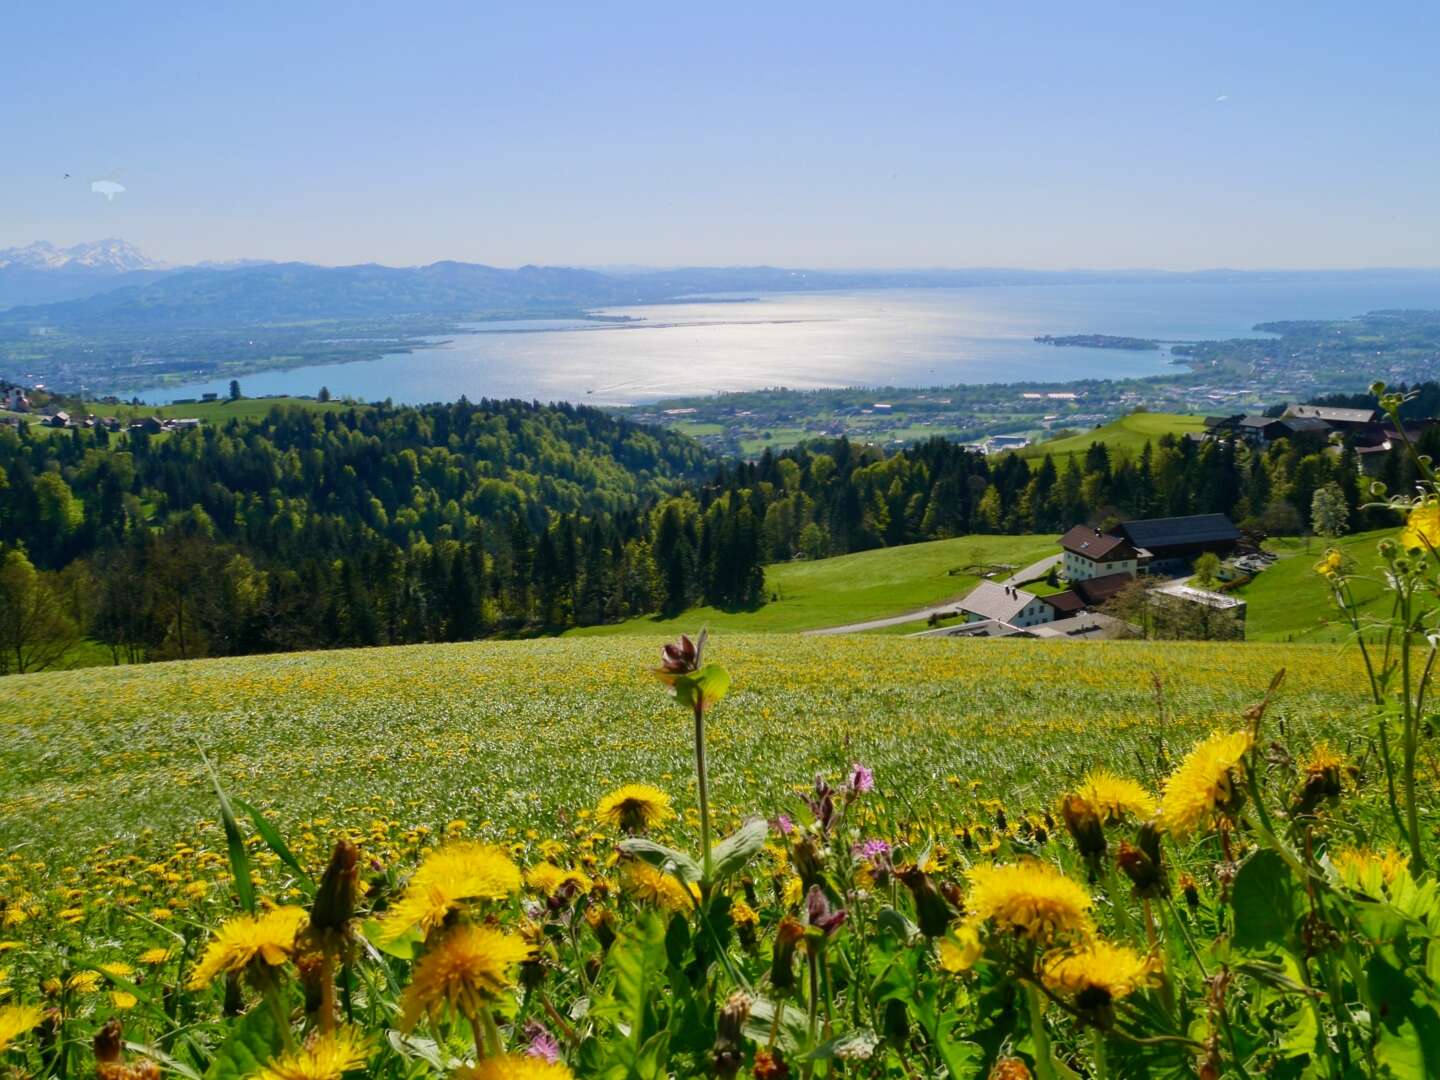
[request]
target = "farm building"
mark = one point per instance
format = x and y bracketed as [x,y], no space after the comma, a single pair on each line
[1088,553]
[1172,542]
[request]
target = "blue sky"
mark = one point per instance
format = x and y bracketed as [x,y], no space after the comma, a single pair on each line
[1037,134]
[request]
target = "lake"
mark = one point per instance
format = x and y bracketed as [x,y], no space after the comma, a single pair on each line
[881,337]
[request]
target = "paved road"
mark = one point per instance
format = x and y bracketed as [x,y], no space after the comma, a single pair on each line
[1034,570]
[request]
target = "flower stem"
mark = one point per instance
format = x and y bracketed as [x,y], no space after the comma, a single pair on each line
[1097,1051]
[1044,1060]
[702,780]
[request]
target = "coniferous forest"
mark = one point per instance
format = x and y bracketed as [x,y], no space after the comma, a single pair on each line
[383,525]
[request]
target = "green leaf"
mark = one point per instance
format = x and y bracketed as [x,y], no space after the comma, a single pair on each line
[235,842]
[730,855]
[709,686]
[1407,1023]
[276,843]
[790,1035]
[1266,902]
[405,947]
[894,922]
[858,1045]
[636,964]
[675,863]
[163,1058]
[252,1043]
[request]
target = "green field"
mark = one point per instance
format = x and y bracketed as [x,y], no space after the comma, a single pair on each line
[215,412]
[1289,601]
[1129,433]
[853,588]
[511,734]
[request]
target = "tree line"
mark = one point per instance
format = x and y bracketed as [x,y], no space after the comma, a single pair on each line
[380,524]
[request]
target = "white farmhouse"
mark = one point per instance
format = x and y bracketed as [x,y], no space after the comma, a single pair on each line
[1006,604]
[1090,553]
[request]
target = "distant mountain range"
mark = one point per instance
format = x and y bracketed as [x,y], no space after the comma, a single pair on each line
[110,284]
[41,273]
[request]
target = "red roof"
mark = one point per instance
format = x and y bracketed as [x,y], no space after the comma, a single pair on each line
[1065,603]
[1096,545]
[1096,591]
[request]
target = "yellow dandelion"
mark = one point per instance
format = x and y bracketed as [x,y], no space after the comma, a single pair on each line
[1367,871]
[323,1057]
[16,1020]
[1422,527]
[793,892]
[1321,759]
[1115,797]
[1205,782]
[6,946]
[268,939]
[459,871]
[514,1067]
[123,999]
[635,807]
[1030,898]
[83,982]
[645,883]
[1097,973]
[119,970]
[960,948]
[1330,564]
[154,957]
[468,969]
[742,914]
[547,878]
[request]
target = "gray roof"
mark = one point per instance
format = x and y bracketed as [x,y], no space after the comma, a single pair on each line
[1325,412]
[999,602]
[1169,532]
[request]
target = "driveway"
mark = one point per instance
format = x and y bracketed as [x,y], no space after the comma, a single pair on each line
[1034,570]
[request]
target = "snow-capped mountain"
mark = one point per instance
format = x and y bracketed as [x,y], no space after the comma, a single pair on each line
[42,273]
[110,254]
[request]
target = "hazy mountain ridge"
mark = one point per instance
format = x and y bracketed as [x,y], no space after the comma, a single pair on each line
[94,287]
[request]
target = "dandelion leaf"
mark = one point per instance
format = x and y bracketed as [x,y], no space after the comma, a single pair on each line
[252,1043]
[1266,903]
[730,855]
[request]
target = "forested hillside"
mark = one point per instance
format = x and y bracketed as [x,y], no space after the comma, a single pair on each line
[377,525]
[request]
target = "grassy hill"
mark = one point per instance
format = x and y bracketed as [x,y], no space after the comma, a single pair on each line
[1129,433]
[851,588]
[1289,602]
[509,735]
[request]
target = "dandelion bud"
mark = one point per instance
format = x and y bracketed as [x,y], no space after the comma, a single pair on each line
[805,857]
[896,1023]
[769,1065]
[1085,828]
[1377,389]
[1143,864]
[1191,891]
[335,898]
[782,961]
[729,1050]
[1010,1068]
[109,1044]
[932,913]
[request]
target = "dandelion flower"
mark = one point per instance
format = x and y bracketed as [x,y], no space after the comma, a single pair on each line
[514,1067]
[960,949]
[154,957]
[1331,564]
[16,1020]
[1114,797]
[1097,973]
[83,982]
[649,885]
[635,808]
[123,999]
[448,875]
[1367,871]
[1422,527]
[325,1057]
[1204,784]
[547,878]
[468,969]
[270,939]
[1030,898]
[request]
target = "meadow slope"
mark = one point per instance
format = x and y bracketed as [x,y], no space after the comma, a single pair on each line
[513,734]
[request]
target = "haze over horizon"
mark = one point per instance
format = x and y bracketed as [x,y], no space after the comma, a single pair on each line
[827,137]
